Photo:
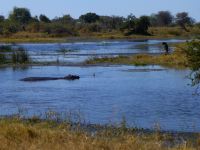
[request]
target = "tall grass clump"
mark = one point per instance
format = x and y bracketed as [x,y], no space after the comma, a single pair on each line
[6,48]
[20,56]
[2,58]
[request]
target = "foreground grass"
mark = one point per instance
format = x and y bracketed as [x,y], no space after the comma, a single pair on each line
[176,60]
[16,133]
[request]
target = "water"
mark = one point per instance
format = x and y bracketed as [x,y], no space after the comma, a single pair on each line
[143,95]
[81,51]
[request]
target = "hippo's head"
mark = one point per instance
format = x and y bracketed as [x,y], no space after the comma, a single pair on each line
[71,77]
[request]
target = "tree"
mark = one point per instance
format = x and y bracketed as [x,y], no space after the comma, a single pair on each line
[108,23]
[182,19]
[65,19]
[141,25]
[153,20]
[117,22]
[44,19]
[35,19]
[2,18]
[164,18]
[20,15]
[130,22]
[89,18]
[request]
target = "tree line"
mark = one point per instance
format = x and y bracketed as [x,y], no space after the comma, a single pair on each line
[20,19]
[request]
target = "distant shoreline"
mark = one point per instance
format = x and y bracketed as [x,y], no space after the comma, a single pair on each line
[87,39]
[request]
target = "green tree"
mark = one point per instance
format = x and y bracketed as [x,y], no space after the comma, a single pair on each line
[65,19]
[164,18]
[2,18]
[89,18]
[9,27]
[142,25]
[129,22]
[35,19]
[44,19]
[183,19]
[20,15]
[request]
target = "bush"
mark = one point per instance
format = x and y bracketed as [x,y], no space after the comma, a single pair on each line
[93,27]
[193,55]
[10,28]
[33,27]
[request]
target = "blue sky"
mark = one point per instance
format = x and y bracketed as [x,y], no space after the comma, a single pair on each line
[54,8]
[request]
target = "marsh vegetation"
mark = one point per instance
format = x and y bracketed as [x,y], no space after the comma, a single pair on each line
[52,133]
[13,55]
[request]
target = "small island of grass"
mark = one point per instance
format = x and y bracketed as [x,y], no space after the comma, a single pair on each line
[175,60]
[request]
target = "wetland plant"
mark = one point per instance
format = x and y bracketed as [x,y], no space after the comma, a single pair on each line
[2,58]
[20,55]
[6,48]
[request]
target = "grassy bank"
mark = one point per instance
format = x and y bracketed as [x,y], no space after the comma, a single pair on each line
[155,33]
[34,133]
[176,60]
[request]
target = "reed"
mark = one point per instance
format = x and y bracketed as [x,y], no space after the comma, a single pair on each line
[20,56]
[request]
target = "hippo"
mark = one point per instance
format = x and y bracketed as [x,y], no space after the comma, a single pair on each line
[34,79]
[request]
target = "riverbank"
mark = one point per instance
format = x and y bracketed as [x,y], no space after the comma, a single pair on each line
[155,33]
[34,133]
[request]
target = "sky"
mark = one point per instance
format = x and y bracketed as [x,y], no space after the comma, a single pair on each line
[75,8]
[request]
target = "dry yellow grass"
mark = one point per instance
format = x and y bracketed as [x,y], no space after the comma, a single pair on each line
[46,135]
[174,31]
[175,60]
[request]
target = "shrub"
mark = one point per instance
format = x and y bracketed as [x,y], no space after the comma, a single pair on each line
[193,55]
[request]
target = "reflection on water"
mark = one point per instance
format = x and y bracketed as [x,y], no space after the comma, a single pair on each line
[144,95]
